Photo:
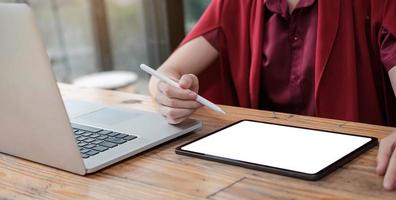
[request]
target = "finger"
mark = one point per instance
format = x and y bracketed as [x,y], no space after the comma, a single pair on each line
[177,103]
[189,81]
[175,113]
[384,152]
[174,92]
[390,176]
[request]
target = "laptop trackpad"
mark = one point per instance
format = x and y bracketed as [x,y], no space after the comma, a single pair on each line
[108,116]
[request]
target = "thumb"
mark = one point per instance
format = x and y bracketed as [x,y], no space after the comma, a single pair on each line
[189,81]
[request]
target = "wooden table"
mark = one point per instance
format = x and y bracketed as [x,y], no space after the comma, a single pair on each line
[161,174]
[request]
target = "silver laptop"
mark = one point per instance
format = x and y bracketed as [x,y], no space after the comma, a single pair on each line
[33,119]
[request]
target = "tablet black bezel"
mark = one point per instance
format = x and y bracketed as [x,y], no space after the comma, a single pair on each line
[312,177]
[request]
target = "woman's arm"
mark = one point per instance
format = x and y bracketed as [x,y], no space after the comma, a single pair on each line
[386,158]
[392,76]
[191,58]
[184,64]
[386,161]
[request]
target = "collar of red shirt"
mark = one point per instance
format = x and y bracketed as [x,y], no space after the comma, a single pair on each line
[281,7]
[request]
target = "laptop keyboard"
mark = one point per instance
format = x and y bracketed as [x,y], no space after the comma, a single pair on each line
[93,141]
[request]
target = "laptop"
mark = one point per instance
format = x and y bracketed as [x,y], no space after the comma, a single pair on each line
[75,136]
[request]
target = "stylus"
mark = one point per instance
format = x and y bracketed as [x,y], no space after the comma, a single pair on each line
[169,81]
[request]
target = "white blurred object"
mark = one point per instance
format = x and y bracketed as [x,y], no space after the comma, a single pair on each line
[112,80]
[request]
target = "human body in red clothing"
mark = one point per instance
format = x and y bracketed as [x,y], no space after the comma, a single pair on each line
[325,58]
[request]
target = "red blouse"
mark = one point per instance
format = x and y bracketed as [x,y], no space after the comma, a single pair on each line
[289,57]
[274,60]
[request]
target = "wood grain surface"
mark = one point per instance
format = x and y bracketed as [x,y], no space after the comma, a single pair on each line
[161,174]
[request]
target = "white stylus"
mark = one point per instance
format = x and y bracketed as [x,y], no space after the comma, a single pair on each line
[169,81]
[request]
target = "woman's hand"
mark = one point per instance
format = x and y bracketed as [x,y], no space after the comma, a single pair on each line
[386,161]
[191,58]
[177,104]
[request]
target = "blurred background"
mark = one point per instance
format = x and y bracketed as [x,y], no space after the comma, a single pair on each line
[87,37]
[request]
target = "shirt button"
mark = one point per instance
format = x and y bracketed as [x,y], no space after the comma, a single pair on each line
[293,78]
[295,38]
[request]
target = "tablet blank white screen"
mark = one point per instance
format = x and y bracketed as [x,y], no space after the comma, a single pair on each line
[296,149]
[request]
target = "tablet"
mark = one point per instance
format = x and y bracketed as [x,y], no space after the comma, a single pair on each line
[287,150]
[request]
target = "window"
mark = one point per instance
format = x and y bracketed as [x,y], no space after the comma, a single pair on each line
[67,32]
[127,33]
[87,36]
[193,10]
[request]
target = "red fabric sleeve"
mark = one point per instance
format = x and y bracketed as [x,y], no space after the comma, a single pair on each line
[210,20]
[213,38]
[386,12]
[388,49]
[215,81]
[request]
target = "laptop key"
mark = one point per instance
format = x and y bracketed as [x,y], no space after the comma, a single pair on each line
[112,134]
[115,140]
[84,150]
[89,140]
[80,138]
[108,144]
[130,137]
[121,135]
[97,142]
[86,128]
[102,137]
[89,146]
[84,156]
[100,148]
[81,144]
[86,134]
[95,135]
[104,132]
[79,132]
[92,152]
